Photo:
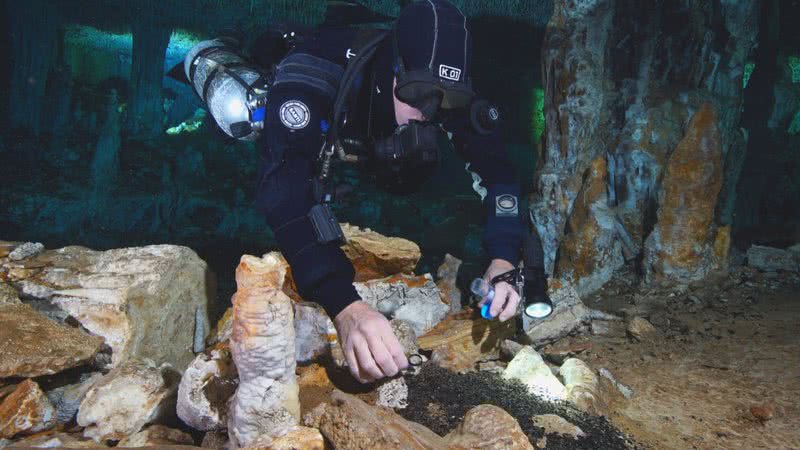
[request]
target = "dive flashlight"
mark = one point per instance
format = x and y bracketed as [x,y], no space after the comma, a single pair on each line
[535,306]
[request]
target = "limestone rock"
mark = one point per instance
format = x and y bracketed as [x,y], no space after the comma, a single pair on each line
[25,411]
[8,294]
[591,252]
[405,334]
[393,394]
[569,315]
[67,399]
[156,435]
[298,438]
[681,244]
[217,440]
[375,256]
[583,387]
[348,422]
[142,300]
[461,340]
[769,259]
[132,395]
[205,388]
[640,329]
[262,343]
[509,348]
[529,368]
[32,345]
[314,332]
[26,250]
[55,439]
[554,424]
[415,299]
[488,427]
[448,274]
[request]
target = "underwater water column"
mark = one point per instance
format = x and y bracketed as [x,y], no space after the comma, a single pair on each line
[150,40]
[34,36]
[105,164]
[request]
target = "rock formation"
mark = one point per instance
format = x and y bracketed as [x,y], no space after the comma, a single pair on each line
[143,301]
[205,388]
[25,411]
[263,346]
[487,427]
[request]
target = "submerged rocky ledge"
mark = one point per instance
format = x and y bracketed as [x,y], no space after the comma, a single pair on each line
[115,348]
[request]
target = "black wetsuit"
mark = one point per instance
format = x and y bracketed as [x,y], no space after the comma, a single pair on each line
[309,75]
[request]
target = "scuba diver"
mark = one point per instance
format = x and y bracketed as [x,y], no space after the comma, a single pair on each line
[387,100]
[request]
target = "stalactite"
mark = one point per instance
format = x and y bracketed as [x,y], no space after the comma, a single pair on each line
[34,33]
[150,40]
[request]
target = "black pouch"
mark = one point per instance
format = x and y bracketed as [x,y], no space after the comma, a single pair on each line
[325,224]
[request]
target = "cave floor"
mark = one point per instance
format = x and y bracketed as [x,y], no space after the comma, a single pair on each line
[722,372]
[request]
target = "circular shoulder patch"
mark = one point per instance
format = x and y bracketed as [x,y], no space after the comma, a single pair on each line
[294,114]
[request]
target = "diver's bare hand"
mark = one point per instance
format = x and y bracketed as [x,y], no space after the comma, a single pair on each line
[506,297]
[370,347]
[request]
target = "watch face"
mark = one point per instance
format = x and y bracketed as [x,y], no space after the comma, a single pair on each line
[506,205]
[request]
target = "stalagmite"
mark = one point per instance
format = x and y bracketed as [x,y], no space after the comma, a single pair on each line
[266,401]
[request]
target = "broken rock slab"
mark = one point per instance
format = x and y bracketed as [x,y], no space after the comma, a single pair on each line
[583,387]
[488,427]
[348,422]
[205,388]
[32,345]
[529,368]
[26,411]
[770,259]
[143,301]
[266,402]
[463,339]
[376,256]
[415,299]
[569,315]
[132,395]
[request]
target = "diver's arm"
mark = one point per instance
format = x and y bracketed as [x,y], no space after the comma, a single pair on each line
[321,271]
[285,194]
[495,180]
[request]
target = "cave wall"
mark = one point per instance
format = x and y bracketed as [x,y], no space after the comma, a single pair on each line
[623,81]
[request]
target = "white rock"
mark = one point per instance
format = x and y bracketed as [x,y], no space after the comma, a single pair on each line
[769,259]
[204,390]
[393,394]
[314,332]
[401,297]
[569,314]
[142,300]
[583,387]
[529,368]
[26,250]
[132,395]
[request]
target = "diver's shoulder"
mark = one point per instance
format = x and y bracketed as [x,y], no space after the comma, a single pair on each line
[330,43]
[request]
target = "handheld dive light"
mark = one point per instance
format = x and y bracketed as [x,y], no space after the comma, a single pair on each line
[535,307]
